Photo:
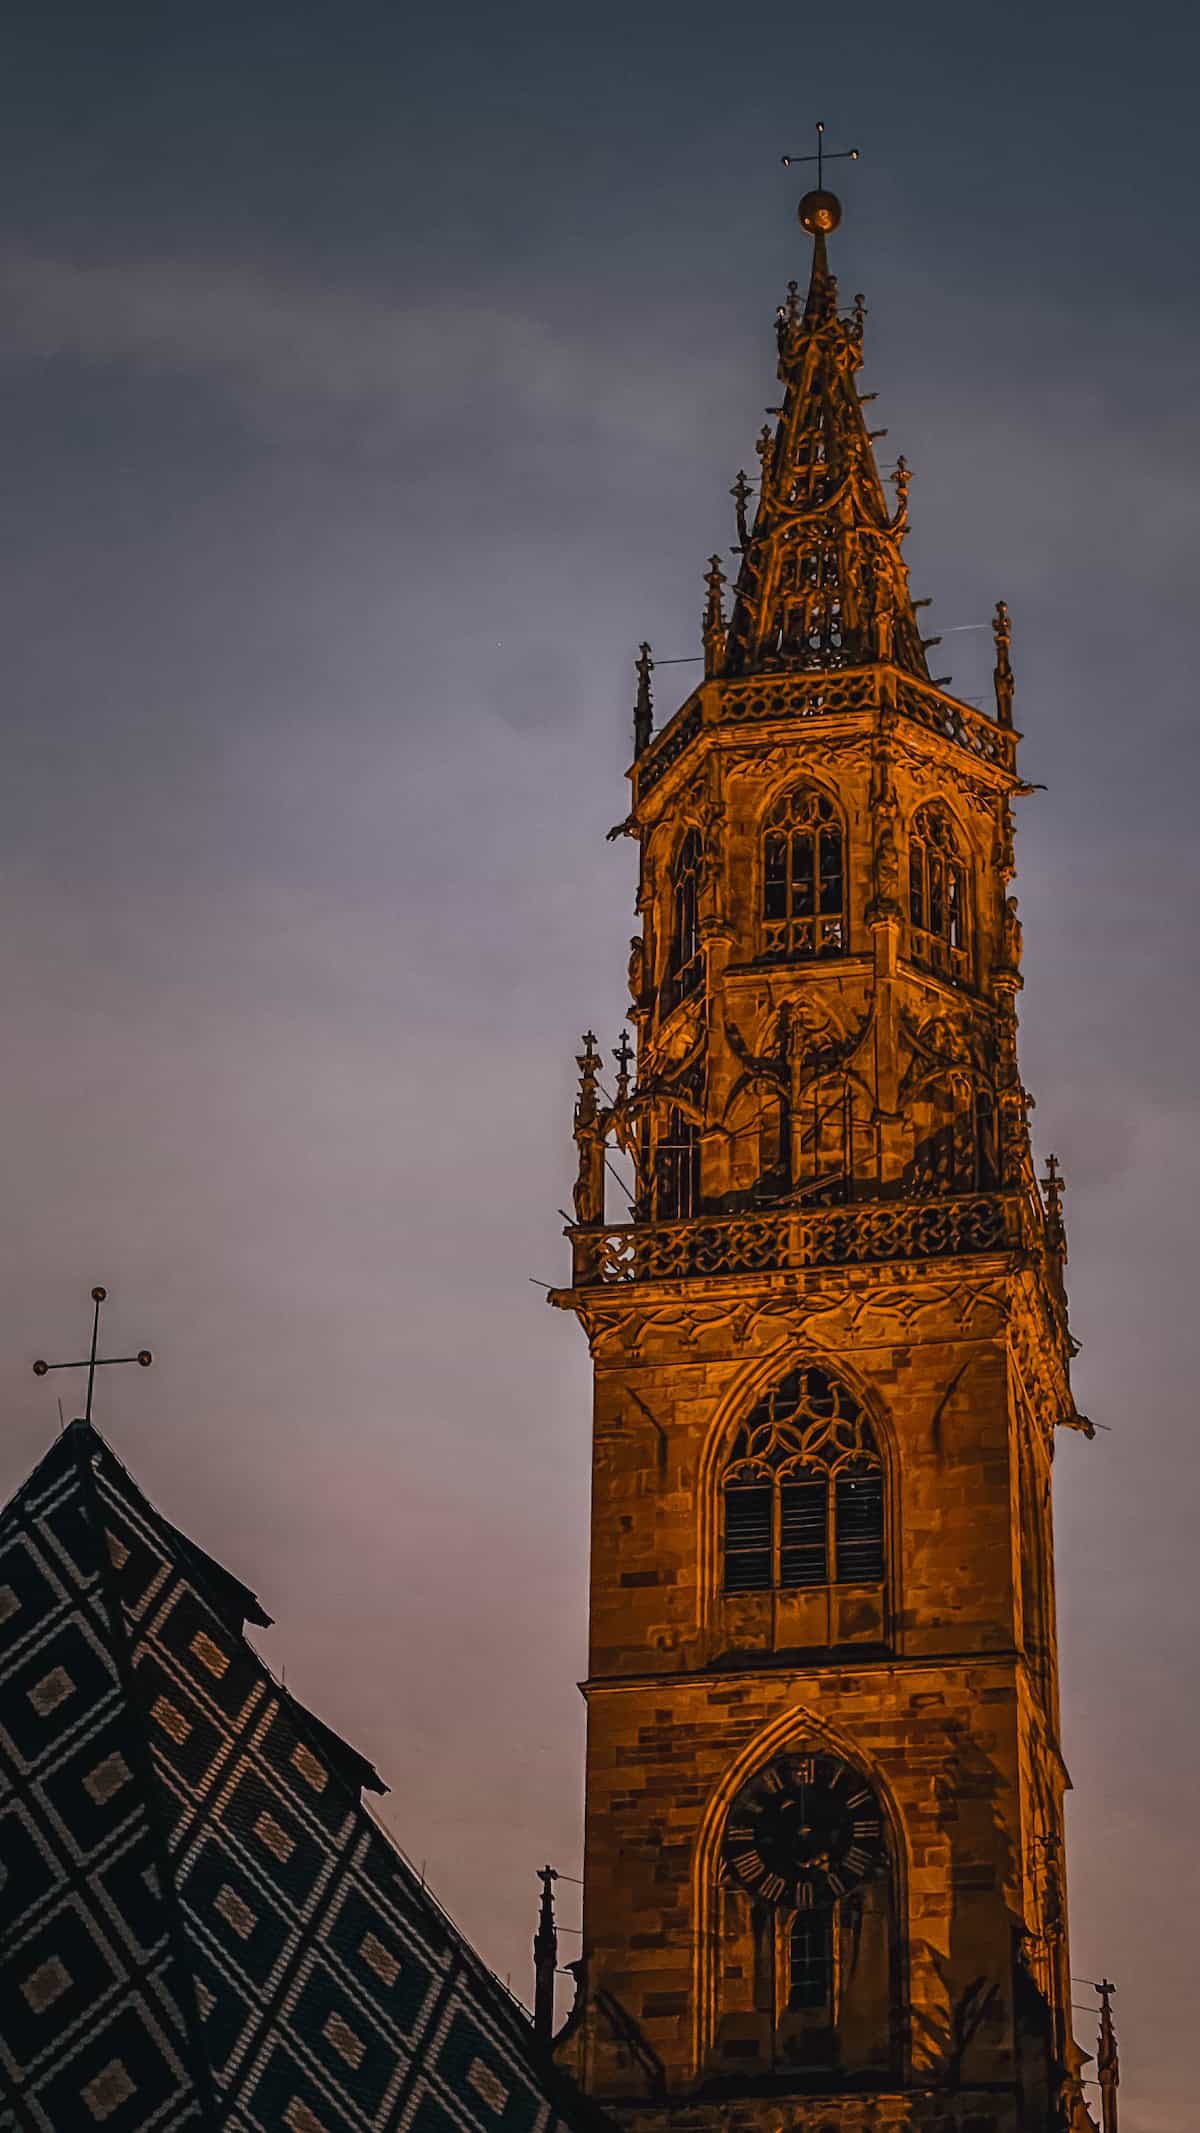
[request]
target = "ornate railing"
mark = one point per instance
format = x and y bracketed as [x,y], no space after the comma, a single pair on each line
[669,745]
[822,695]
[824,1237]
[798,695]
[969,729]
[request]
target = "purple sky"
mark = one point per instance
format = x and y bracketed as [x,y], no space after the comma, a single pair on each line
[372,382]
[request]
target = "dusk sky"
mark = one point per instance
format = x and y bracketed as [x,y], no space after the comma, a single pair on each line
[372,380]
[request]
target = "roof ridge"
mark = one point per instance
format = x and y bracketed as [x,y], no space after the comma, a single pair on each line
[82,1437]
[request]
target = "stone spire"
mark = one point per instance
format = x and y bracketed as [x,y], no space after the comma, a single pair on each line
[822,583]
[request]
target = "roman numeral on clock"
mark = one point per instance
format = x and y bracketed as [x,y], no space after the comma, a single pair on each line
[772,1887]
[858,1799]
[749,1865]
[866,1826]
[857,1860]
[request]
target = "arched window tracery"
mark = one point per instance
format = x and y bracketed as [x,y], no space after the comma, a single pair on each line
[937,895]
[804,876]
[803,1491]
[685,959]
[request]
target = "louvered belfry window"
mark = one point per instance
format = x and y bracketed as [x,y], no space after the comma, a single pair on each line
[804,876]
[803,1492]
[937,895]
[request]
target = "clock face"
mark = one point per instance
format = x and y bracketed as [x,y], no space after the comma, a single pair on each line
[803,1831]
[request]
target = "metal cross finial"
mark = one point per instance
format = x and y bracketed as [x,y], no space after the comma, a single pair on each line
[93,1362]
[833,155]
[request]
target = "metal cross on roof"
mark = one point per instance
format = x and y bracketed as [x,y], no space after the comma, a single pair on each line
[823,155]
[93,1362]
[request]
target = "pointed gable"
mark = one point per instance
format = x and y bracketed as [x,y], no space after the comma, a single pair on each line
[203,1925]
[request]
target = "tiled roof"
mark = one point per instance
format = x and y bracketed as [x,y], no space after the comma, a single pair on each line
[200,1923]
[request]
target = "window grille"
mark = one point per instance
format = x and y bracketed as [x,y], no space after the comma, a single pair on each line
[804,1529]
[677,1171]
[937,895]
[810,1961]
[804,885]
[803,1492]
[858,1524]
[748,1525]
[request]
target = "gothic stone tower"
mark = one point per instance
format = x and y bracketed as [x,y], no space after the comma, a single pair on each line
[823,1878]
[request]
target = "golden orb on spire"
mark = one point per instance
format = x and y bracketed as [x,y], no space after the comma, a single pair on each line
[819,213]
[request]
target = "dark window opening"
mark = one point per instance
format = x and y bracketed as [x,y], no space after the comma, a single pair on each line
[804,890]
[937,895]
[803,1539]
[748,1509]
[858,1522]
[677,1171]
[810,1961]
[804,1492]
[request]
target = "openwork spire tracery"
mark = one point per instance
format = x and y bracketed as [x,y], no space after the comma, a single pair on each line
[822,584]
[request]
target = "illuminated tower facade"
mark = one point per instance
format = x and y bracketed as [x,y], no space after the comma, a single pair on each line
[824,1836]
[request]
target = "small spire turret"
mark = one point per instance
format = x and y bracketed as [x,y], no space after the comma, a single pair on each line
[740,493]
[643,710]
[623,1054]
[1002,675]
[1107,2063]
[714,619]
[545,1959]
[1056,1228]
[589,1135]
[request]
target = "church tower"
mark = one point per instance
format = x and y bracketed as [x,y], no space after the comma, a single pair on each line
[824,1828]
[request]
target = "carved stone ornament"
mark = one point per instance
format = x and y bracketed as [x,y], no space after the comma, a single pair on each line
[674,1044]
[886,863]
[1011,937]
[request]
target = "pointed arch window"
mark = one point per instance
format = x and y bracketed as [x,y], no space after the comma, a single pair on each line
[685,962]
[804,876]
[803,1492]
[937,895]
